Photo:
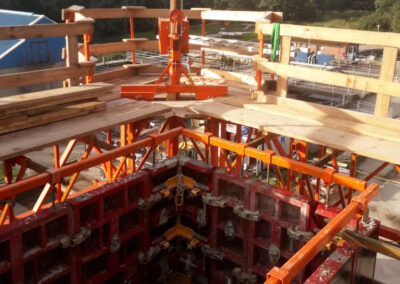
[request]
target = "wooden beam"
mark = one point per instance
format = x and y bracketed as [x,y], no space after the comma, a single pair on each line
[41,76]
[113,13]
[236,16]
[282,84]
[388,68]
[331,78]
[135,66]
[38,100]
[51,30]
[314,114]
[72,57]
[114,74]
[334,35]
[372,244]
[198,14]
[105,48]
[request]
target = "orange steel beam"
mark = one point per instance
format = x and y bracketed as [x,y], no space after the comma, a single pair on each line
[63,159]
[277,170]
[132,37]
[76,174]
[86,46]
[146,92]
[297,262]
[55,175]
[335,166]
[352,174]
[269,158]
[203,33]
[222,159]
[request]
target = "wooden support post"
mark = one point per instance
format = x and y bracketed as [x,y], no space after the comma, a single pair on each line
[282,85]
[388,67]
[72,57]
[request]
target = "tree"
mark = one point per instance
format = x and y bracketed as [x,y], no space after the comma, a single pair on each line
[292,9]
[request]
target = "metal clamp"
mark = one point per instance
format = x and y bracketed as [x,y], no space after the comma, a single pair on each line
[214,201]
[83,235]
[212,253]
[244,277]
[297,235]
[144,258]
[243,213]
[144,204]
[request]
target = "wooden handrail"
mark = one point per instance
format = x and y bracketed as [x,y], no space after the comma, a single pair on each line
[333,35]
[384,86]
[40,31]
[42,76]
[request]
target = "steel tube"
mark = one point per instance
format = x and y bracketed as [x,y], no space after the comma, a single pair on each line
[42,179]
[297,262]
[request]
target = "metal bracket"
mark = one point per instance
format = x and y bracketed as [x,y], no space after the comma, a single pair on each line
[212,253]
[297,235]
[83,235]
[115,244]
[243,213]
[144,204]
[144,258]
[214,201]
[244,277]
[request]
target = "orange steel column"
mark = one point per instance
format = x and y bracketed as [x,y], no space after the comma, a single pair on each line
[203,33]
[173,143]
[352,173]
[86,41]
[123,143]
[296,263]
[175,49]
[109,172]
[132,37]
[57,165]
[223,136]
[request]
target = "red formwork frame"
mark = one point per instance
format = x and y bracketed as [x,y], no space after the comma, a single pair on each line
[355,207]
[110,212]
[280,219]
[223,180]
[344,261]
[28,244]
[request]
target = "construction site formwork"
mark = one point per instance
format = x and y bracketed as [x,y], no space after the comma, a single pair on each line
[195,220]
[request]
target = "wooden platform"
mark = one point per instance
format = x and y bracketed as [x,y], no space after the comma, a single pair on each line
[118,112]
[345,130]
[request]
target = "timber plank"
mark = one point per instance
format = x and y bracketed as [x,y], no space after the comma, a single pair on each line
[330,78]
[9,125]
[15,144]
[41,76]
[380,149]
[334,35]
[47,30]
[29,101]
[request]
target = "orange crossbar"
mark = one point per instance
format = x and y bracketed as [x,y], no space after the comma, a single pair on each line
[146,92]
[55,175]
[297,262]
[269,157]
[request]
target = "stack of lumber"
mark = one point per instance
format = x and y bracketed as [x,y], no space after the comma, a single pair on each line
[39,108]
